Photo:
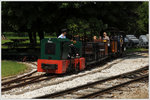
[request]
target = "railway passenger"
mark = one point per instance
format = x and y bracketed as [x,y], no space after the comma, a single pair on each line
[94,38]
[63,34]
[100,39]
[105,36]
[97,40]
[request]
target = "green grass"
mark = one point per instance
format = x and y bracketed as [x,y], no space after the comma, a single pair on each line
[136,49]
[4,41]
[10,68]
[28,41]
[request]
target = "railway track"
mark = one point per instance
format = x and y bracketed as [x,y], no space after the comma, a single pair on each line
[24,80]
[71,78]
[29,79]
[14,77]
[100,87]
[18,78]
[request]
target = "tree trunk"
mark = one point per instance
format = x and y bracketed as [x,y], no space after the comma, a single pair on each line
[34,37]
[91,39]
[30,37]
[41,35]
[57,33]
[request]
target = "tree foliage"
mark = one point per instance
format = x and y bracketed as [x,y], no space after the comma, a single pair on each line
[78,17]
[142,21]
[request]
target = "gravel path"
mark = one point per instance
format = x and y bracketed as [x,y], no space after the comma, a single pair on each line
[128,64]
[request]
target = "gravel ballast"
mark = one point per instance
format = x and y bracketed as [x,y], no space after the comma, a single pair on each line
[128,64]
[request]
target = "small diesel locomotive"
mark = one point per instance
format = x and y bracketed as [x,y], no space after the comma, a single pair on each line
[62,55]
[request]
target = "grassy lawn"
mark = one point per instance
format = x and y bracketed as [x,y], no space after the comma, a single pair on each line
[136,49]
[4,41]
[10,68]
[28,41]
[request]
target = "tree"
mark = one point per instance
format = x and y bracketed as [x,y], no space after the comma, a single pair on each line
[142,21]
[78,17]
[28,17]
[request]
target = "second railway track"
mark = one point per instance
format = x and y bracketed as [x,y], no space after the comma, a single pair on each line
[13,79]
[24,80]
[100,87]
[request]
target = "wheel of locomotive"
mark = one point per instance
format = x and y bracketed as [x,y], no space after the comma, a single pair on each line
[71,69]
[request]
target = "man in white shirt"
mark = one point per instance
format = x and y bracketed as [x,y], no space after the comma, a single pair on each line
[63,34]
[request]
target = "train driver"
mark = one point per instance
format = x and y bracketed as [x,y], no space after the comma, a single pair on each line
[63,34]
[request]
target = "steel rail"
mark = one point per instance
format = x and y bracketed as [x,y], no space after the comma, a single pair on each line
[16,79]
[90,84]
[113,87]
[34,80]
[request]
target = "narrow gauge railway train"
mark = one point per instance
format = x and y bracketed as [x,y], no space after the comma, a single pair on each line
[62,55]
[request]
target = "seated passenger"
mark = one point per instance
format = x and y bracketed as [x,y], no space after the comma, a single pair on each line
[105,36]
[63,34]
[95,39]
[100,39]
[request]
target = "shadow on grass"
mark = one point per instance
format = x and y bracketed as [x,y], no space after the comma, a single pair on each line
[24,52]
